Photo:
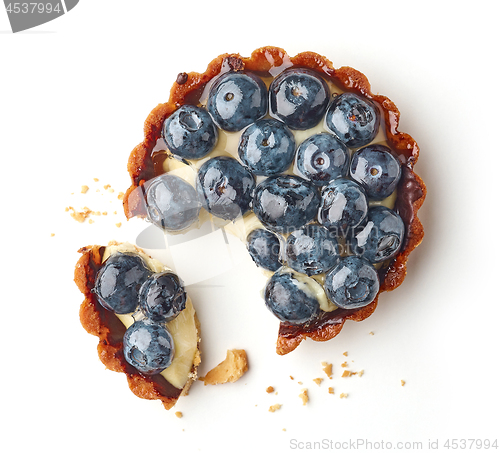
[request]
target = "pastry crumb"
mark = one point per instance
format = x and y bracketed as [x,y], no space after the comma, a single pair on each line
[345,353]
[84,189]
[343,395]
[403,383]
[275,407]
[96,179]
[330,390]
[348,373]
[229,370]
[119,224]
[270,389]
[178,414]
[304,396]
[80,216]
[344,365]
[120,195]
[318,380]
[292,378]
[371,333]
[327,368]
[52,235]
[360,373]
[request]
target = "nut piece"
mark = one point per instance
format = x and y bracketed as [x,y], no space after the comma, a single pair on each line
[230,370]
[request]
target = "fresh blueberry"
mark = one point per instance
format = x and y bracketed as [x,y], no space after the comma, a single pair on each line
[148,347]
[322,158]
[284,203]
[172,203]
[382,236]
[292,297]
[225,187]
[343,205]
[267,147]
[265,249]
[352,283]
[377,170]
[162,297]
[236,100]
[299,98]
[190,132]
[353,119]
[312,250]
[118,282]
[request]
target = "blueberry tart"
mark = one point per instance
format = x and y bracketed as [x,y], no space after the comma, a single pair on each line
[305,164]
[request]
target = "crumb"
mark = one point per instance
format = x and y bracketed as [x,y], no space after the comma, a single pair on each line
[96,179]
[98,190]
[304,396]
[115,213]
[327,368]
[85,189]
[371,333]
[178,414]
[345,353]
[79,216]
[91,221]
[348,373]
[274,407]
[119,224]
[360,373]
[52,235]
[120,195]
[344,365]
[318,380]
[230,370]
[106,186]
[403,383]
[343,395]
[330,390]
[291,377]
[284,429]
[299,382]
[270,389]
[104,212]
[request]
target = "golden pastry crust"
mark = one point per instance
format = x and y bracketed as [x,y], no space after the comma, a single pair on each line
[411,190]
[230,369]
[109,329]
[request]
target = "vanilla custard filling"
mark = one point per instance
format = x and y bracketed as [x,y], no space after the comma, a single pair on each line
[183,328]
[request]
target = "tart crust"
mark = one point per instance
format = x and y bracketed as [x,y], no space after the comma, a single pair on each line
[188,88]
[102,323]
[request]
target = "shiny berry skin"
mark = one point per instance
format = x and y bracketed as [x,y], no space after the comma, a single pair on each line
[162,297]
[343,205]
[299,98]
[284,203]
[352,283]
[322,158]
[190,132]
[382,236]
[377,170]
[264,247]
[312,250]
[291,297]
[267,147]
[225,187]
[353,119]
[236,100]
[118,282]
[172,204]
[148,347]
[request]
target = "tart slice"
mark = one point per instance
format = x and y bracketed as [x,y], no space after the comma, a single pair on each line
[146,324]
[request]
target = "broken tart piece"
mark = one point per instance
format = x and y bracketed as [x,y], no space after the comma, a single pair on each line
[146,323]
[305,164]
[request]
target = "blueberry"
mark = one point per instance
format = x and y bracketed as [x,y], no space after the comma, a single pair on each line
[162,297]
[352,283]
[172,203]
[225,187]
[299,98]
[322,158]
[343,205]
[292,297]
[190,132]
[312,250]
[118,282]
[382,236]
[267,147]
[148,347]
[236,100]
[377,170]
[265,249]
[285,203]
[353,119]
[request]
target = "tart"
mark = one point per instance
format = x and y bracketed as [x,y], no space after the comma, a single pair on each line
[218,122]
[111,324]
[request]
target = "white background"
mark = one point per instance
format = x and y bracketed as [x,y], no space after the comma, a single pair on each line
[74,95]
